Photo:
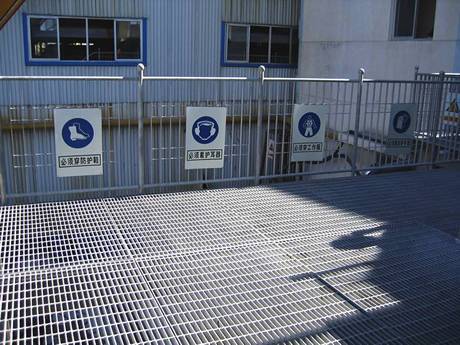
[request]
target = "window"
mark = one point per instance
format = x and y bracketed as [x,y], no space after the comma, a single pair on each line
[87,41]
[128,38]
[237,43]
[252,45]
[414,18]
[101,39]
[43,38]
[72,37]
[280,45]
[259,43]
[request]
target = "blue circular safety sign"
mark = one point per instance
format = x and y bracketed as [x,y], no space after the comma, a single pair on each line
[309,124]
[77,133]
[401,122]
[205,130]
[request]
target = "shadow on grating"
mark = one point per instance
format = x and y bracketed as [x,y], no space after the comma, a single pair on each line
[356,261]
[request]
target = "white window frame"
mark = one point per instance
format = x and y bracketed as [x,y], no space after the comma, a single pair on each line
[58,59]
[414,24]
[248,35]
[141,36]
[248,43]
[29,38]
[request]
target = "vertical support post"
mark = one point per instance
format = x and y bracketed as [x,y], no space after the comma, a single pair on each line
[140,127]
[357,119]
[2,177]
[414,86]
[259,125]
[437,113]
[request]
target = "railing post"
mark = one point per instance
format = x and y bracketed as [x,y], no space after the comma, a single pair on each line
[140,127]
[357,119]
[437,113]
[259,124]
[414,86]
[2,177]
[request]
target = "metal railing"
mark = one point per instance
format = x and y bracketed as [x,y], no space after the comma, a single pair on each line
[144,130]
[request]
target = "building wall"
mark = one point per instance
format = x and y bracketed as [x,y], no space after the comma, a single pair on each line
[340,36]
[183,39]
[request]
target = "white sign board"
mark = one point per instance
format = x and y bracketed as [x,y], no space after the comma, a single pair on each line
[78,139]
[308,131]
[205,137]
[401,129]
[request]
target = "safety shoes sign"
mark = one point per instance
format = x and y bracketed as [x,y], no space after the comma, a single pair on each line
[205,137]
[308,128]
[401,129]
[78,139]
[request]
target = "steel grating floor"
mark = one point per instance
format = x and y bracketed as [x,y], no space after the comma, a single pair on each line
[368,260]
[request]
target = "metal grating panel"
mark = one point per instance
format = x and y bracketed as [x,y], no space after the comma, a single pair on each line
[239,296]
[279,212]
[58,234]
[355,261]
[168,224]
[93,305]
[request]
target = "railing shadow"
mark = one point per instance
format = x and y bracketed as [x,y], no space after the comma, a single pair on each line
[401,279]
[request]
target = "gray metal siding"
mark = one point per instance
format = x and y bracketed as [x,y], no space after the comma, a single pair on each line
[183,37]
[277,12]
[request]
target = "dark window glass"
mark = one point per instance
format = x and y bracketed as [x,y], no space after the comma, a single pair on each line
[295,47]
[425,19]
[101,39]
[280,41]
[258,49]
[237,43]
[405,12]
[72,37]
[128,40]
[43,38]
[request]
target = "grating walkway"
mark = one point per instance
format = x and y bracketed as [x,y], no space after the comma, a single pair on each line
[368,260]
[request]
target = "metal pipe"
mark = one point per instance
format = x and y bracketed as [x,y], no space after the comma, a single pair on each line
[2,178]
[259,125]
[338,80]
[140,127]
[200,78]
[357,119]
[58,77]
[437,113]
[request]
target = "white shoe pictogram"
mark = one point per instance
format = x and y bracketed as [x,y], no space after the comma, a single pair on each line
[76,133]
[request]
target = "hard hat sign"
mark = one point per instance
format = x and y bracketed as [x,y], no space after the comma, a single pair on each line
[308,132]
[78,140]
[205,137]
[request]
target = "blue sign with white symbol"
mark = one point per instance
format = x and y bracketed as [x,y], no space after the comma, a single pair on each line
[401,122]
[205,130]
[309,125]
[77,133]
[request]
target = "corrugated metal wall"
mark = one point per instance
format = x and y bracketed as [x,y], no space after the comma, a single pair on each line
[183,39]
[183,36]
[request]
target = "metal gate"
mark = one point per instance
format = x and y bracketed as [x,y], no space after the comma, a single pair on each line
[144,130]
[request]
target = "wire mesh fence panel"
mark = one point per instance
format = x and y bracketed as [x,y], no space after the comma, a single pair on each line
[165,132]
[28,138]
[144,130]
